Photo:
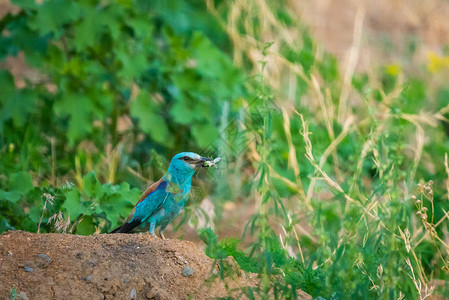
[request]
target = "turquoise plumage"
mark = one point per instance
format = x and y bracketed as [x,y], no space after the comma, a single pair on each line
[164,199]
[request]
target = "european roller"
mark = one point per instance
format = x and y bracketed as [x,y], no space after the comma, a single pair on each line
[163,200]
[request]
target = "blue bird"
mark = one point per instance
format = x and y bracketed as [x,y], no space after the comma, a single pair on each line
[163,200]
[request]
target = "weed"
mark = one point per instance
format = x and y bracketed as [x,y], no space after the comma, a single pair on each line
[13,293]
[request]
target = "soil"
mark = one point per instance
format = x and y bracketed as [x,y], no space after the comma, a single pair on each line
[389,28]
[109,266]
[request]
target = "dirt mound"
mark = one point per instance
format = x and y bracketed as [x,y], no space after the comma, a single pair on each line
[116,266]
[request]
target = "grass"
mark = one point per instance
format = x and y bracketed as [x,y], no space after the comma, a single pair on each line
[339,175]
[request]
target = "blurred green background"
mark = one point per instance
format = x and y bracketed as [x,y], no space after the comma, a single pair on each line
[331,119]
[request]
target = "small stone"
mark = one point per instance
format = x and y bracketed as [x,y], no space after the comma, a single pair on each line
[188,271]
[153,294]
[126,280]
[43,261]
[88,278]
[91,263]
[109,242]
[23,296]
[133,294]
[27,269]
[44,256]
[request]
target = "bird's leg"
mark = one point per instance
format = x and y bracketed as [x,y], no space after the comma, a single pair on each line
[161,231]
[152,227]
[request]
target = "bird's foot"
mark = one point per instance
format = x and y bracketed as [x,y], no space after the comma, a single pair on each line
[162,236]
[150,235]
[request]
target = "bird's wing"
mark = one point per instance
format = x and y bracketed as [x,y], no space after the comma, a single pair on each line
[150,201]
[150,190]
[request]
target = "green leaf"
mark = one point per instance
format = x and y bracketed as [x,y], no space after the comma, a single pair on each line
[118,201]
[217,66]
[24,3]
[13,293]
[19,107]
[205,134]
[94,22]
[150,121]
[141,26]
[52,15]
[88,29]
[92,187]
[15,104]
[127,192]
[35,214]
[115,206]
[82,111]
[19,185]
[21,182]
[73,205]
[7,84]
[306,56]
[134,63]
[4,195]
[86,227]
[182,112]
[329,68]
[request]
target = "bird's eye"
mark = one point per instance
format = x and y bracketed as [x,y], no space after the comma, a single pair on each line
[185,158]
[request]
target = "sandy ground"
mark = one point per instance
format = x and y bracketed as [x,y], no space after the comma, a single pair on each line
[388,27]
[107,266]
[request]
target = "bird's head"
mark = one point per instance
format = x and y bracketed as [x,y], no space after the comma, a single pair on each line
[187,162]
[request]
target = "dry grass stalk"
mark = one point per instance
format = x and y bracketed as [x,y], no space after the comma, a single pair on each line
[48,199]
[352,63]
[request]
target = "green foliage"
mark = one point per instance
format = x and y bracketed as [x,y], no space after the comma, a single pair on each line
[145,110]
[93,206]
[13,293]
[19,184]
[226,247]
[100,65]
[97,202]
[17,105]
[97,56]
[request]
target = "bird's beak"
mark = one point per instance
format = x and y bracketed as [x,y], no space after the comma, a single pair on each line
[201,162]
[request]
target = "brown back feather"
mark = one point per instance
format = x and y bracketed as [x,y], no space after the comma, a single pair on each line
[149,190]
[145,194]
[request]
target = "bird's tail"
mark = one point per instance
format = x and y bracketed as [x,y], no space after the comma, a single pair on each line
[126,227]
[116,230]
